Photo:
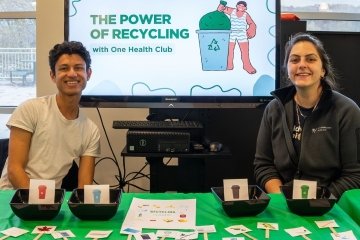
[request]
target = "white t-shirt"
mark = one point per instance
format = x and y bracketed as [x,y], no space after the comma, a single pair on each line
[56,141]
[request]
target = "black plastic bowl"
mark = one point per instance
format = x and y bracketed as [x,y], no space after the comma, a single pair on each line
[323,203]
[21,207]
[90,211]
[258,201]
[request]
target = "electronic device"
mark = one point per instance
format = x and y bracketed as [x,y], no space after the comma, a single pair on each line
[151,125]
[215,147]
[155,55]
[157,141]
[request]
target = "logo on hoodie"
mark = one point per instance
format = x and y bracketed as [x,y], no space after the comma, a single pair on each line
[321,129]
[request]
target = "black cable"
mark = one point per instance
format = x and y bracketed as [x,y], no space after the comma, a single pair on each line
[114,159]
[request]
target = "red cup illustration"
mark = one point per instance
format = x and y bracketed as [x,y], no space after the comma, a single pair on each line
[42,191]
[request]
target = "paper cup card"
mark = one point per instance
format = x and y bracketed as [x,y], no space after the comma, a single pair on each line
[41,191]
[236,189]
[304,189]
[97,194]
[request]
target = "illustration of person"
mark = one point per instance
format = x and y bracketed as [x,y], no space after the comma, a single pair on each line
[243,28]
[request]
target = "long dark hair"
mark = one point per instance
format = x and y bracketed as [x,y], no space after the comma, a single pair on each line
[330,76]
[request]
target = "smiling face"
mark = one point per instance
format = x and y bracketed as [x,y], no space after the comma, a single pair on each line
[304,66]
[70,74]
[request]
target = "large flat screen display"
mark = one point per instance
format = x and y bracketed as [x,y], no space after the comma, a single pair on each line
[178,53]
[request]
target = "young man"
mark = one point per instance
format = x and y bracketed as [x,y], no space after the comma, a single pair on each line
[48,133]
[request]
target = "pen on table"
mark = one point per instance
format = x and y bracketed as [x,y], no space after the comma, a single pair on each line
[334,231]
[267,233]
[205,236]
[39,236]
[305,237]
[249,236]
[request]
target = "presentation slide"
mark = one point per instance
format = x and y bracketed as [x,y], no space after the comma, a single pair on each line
[177,48]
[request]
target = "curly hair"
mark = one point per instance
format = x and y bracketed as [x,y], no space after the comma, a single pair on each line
[68,47]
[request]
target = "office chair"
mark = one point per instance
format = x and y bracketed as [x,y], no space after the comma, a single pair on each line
[4,146]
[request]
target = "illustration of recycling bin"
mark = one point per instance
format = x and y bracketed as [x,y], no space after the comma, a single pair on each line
[304,191]
[96,195]
[214,35]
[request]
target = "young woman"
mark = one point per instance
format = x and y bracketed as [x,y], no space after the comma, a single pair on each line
[309,131]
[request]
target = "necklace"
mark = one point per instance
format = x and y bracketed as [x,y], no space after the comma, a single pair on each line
[297,130]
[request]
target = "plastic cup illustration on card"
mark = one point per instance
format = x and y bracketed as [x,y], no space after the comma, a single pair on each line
[42,191]
[97,195]
[304,191]
[235,191]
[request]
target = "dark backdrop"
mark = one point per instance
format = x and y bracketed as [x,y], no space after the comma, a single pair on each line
[237,128]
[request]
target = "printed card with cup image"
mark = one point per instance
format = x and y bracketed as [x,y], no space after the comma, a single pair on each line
[236,189]
[41,191]
[97,194]
[303,189]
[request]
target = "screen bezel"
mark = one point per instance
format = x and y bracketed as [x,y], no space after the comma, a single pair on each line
[128,101]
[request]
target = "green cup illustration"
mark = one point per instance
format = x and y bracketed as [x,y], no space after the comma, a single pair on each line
[304,191]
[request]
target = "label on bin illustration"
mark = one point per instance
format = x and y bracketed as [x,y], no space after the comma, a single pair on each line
[41,191]
[97,194]
[236,189]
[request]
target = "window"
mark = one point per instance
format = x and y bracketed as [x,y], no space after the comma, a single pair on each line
[330,15]
[17,56]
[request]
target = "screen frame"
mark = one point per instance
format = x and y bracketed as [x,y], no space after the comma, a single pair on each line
[128,101]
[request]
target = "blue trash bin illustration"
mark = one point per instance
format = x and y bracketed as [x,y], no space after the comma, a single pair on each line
[96,195]
[214,47]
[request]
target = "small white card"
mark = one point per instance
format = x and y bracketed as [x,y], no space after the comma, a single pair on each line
[300,231]
[145,236]
[187,235]
[41,191]
[44,229]
[236,189]
[303,189]
[237,229]
[98,234]
[130,230]
[233,238]
[14,232]
[326,224]
[63,234]
[167,233]
[97,194]
[348,235]
[206,229]
[270,226]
